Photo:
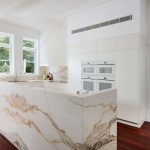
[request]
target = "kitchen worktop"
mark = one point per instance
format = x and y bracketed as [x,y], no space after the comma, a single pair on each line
[53,118]
[62,87]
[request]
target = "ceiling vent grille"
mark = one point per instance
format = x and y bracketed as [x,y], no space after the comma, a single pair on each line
[103,24]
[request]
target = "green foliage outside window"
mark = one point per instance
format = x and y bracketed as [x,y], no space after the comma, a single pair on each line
[4,39]
[29,67]
[4,66]
[4,53]
[27,43]
[28,55]
[4,60]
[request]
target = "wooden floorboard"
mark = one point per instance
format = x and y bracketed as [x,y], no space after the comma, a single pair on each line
[131,138]
[5,144]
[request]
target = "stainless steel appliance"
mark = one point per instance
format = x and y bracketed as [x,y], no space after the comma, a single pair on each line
[106,68]
[97,76]
[89,68]
[104,82]
[89,83]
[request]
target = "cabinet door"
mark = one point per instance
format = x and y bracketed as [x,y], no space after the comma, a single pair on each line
[127,85]
[74,72]
[107,44]
[107,56]
[127,42]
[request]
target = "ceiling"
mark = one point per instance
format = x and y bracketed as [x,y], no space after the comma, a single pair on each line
[34,13]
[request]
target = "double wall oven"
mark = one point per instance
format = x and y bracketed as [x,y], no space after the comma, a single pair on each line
[98,76]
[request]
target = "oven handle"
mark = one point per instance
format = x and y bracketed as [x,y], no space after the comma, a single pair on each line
[105,80]
[89,78]
[106,64]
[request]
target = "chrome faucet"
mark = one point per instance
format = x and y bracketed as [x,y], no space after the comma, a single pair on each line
[16,77]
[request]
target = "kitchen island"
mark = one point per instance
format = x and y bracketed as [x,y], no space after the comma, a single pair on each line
[50,116]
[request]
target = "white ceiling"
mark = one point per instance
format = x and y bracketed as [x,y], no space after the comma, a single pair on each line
[36,12]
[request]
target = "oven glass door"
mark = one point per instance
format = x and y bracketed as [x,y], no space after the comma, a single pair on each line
[106,70]
[104,84]
[89,69]
[89,84]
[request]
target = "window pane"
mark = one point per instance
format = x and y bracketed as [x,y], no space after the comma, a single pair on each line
[4,39]
[28,55]
[4,53]
[27,43]
[29,67]
[4,66]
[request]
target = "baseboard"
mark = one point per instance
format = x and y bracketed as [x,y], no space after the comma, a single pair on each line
[138,125]
[148,115]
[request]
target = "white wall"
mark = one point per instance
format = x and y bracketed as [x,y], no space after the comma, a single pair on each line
[148,65]
[85,45]
[52,45]
[108,11]
[19,32]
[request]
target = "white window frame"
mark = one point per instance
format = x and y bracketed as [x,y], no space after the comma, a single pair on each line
[35,50]
[11,53]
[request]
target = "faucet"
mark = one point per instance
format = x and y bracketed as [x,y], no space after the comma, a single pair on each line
[16,77]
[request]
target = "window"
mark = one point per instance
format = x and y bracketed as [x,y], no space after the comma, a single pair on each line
[30,47]
[5,53]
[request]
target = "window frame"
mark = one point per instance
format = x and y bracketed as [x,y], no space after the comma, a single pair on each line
[35,50]
[10,46]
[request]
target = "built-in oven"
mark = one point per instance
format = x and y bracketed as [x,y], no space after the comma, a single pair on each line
[89,68]
[104,82]
[89,83]
[106,68]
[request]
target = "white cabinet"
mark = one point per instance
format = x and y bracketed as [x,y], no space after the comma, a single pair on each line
[127,52]
[127,83]
[89,57]
[111,55]
[127,42]
[74,74]
[107,44]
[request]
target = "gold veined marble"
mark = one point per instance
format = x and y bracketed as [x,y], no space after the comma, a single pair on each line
[40,119]
[98,137]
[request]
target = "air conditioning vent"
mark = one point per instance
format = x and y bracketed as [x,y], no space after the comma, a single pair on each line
[127,18]
[114,21]
[104,24]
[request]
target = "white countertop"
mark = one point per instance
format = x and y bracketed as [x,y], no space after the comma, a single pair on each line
[56,87]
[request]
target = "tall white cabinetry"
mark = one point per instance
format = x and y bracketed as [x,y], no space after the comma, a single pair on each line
[128,53]
[127,83]
[129,56]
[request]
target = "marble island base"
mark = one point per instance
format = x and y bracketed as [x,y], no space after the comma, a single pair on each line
[38,119]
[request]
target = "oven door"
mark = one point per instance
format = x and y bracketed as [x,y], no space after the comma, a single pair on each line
[89,69]
[105,83]
[106,70]
[89,83]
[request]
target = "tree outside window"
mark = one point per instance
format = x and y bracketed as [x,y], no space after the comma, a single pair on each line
[5,48]
[29,55]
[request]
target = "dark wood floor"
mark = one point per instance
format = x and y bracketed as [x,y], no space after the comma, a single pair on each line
[131,138]
[5,144]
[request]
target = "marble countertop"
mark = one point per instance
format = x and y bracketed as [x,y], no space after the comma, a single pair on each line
[61,87]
